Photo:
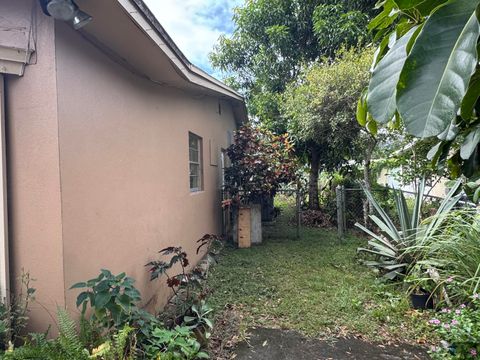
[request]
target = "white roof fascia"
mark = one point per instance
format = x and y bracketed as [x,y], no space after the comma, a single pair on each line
[189,71]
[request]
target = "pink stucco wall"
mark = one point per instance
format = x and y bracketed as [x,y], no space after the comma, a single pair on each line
[98,169]
[33,176]
[124,165]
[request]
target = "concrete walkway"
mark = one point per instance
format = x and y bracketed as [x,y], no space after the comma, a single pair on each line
[273,344]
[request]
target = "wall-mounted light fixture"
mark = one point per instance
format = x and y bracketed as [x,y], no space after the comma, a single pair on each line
[66,10]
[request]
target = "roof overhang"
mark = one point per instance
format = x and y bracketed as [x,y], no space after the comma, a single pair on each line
[128,31]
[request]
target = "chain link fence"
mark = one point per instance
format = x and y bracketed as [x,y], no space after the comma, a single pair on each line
[353,206]
[281,215]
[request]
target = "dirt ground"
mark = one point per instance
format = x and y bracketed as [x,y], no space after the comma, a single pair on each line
[275,344]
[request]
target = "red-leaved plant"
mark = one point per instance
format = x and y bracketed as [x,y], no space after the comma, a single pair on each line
[188,285]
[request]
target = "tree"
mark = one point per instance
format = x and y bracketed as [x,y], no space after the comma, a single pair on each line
[426,78]
[274,39]
[320,109]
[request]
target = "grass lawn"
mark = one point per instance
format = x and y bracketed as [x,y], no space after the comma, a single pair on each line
[313,285]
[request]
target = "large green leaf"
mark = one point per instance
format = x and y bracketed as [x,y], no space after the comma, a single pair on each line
[470,143]
[471,97]
[383,85]
[424,7]
[436,74]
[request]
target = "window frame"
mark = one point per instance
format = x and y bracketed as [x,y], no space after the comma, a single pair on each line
[199,163]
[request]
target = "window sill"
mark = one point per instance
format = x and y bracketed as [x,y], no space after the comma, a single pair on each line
[196,192]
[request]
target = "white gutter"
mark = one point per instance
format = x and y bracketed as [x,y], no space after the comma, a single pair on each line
[4,256]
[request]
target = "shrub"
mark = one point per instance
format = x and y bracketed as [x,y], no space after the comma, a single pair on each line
[69,345]
[459,330]
[188,286]
[453,255]
[260,163]
[114,300]
[176,344]
[13,318]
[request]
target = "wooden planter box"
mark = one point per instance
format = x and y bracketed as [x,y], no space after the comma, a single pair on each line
[249,226]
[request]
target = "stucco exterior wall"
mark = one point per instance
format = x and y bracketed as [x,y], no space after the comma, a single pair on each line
[125,166]
[34,198]
[98,169]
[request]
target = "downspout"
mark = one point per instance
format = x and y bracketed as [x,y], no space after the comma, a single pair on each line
[4,253]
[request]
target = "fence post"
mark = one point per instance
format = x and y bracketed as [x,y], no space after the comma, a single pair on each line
[340,211]
[299,209]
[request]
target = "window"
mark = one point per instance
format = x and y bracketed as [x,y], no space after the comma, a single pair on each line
[195,158]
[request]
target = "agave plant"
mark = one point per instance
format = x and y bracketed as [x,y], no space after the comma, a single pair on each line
[391,243]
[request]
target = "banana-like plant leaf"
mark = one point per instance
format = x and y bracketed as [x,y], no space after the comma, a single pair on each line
[437,72]
[382,90]
[423,6]
[451,132]
[470,143]
[434,152]
[362,111]
[471,97]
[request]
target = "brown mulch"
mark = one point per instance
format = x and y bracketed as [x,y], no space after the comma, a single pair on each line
[226,334]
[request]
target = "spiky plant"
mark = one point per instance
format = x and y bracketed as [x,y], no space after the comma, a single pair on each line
[389,245]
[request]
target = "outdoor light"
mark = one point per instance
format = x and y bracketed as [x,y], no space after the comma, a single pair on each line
[61,9]
[80,19]
[66,10]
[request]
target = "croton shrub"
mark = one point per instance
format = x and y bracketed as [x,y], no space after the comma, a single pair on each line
[261,162]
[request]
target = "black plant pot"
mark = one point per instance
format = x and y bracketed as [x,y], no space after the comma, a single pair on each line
[422,301]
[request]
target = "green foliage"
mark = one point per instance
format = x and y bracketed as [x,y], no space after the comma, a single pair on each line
[120,347]
[14,317]
[260,163]
[411,156]
[188,286]
[200,318]
[66,346]
[459,330]
[113,297]
[273,39]
[337,25]
[392,245]
[453,255]
[321,107]
[68,340]
[114,300]
[426,77]
[176,344]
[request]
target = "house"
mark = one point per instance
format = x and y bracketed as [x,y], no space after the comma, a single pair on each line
[436,187]
[111,145]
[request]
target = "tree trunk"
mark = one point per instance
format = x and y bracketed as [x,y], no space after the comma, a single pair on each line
[313,203]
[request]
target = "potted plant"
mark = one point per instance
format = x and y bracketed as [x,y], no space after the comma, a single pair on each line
[260,163]
[421,288]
